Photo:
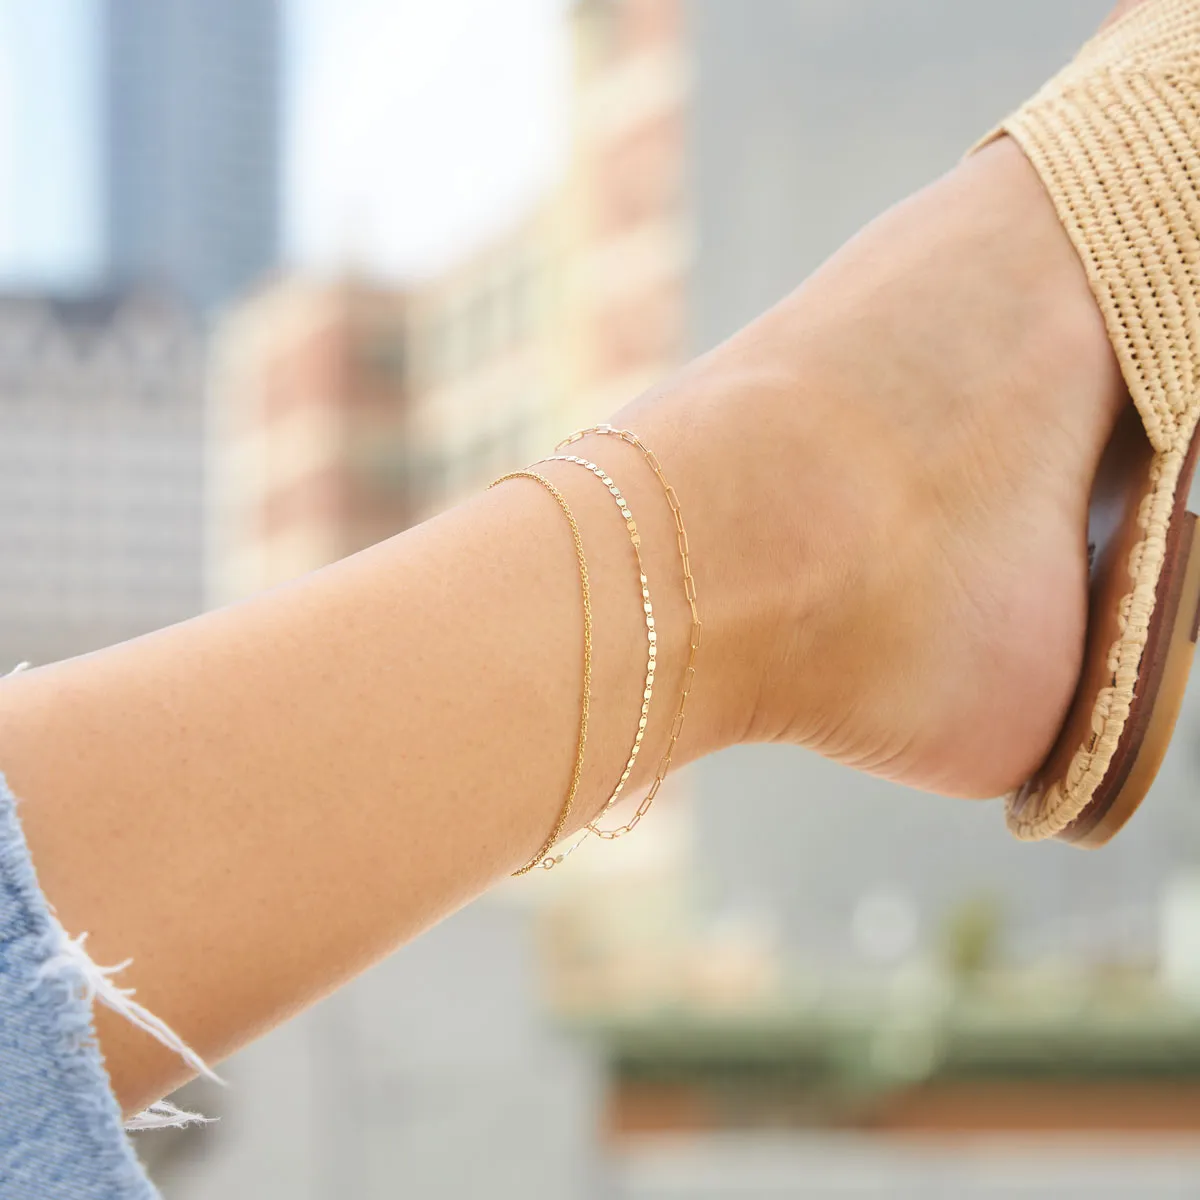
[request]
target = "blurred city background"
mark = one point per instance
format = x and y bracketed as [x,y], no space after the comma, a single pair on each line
[280,279]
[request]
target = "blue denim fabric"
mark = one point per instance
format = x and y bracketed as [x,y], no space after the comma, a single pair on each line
[60,1128]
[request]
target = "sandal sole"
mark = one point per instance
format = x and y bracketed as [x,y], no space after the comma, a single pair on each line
[1162,679]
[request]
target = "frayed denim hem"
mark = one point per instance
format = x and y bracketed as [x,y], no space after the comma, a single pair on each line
[61,1136]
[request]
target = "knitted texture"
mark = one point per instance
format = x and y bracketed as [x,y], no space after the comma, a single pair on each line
[1114,139]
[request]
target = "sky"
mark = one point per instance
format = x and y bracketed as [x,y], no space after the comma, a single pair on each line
[412,130]
[47,138]
[418,127]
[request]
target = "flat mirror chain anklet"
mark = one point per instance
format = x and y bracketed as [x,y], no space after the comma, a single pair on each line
[635,539]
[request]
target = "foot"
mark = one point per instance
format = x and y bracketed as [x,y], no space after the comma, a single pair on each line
[893,512]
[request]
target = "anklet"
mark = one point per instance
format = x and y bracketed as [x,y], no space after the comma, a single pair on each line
[542,857]
[689,586]
[635,539]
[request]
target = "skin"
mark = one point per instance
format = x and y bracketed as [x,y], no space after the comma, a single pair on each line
[885,481]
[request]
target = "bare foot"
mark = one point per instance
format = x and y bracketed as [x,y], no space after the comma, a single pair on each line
[894,506]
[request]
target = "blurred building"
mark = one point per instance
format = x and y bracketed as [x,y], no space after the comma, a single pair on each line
[488,361]
[102,425]
[101,420]
[190,157]
[309,380]
[625,203]
[345,411]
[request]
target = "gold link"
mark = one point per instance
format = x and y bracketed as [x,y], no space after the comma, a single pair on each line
[689,585]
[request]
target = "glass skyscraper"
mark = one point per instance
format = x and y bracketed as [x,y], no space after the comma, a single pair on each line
[190,151]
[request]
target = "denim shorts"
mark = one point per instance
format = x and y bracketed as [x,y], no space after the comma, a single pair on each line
[61,1135]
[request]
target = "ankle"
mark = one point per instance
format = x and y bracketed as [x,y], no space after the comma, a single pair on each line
[773,511]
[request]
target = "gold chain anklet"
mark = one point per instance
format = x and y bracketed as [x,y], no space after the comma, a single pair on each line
[542,857]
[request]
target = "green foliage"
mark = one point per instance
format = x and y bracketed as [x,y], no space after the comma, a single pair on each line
[971,936]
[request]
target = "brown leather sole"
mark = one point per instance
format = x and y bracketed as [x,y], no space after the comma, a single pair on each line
[1166,660]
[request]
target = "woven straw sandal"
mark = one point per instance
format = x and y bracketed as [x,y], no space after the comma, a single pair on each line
[1115,138]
